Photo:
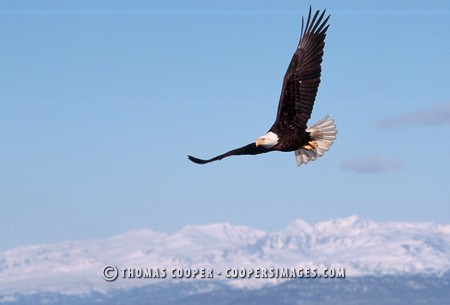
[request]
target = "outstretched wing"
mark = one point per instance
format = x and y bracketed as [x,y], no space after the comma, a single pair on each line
[250,149]
[302,77]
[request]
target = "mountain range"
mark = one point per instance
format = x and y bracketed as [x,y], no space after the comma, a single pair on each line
[228,255]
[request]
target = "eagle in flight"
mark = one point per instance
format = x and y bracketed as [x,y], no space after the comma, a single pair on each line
[301,81]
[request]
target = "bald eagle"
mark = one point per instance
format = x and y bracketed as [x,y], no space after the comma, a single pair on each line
[301,81]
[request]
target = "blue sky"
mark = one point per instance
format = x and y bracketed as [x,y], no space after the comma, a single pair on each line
[100,103]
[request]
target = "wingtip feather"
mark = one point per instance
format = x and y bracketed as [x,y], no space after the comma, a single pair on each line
[197,160]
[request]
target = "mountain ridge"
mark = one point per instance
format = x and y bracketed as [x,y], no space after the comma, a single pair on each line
[360,246]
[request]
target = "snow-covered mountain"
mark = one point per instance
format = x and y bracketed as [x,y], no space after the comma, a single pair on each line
[361,247]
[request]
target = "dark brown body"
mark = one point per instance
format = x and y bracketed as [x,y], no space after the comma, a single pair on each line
[293,139]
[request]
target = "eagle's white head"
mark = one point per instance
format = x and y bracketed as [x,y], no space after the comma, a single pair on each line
[268,140]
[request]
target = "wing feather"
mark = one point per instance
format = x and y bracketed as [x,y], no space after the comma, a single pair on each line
[250,149]
[302,77]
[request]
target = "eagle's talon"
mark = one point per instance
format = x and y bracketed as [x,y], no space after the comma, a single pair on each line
[311,145]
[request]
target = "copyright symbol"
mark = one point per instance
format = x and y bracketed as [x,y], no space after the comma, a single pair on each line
[110,273]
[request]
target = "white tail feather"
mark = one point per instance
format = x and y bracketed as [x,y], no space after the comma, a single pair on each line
[323,133]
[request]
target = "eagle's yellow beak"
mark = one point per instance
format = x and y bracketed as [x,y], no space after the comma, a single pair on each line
[259,142]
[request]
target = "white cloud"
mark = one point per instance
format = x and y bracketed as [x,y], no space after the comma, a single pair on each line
[436,115]
[371,164]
